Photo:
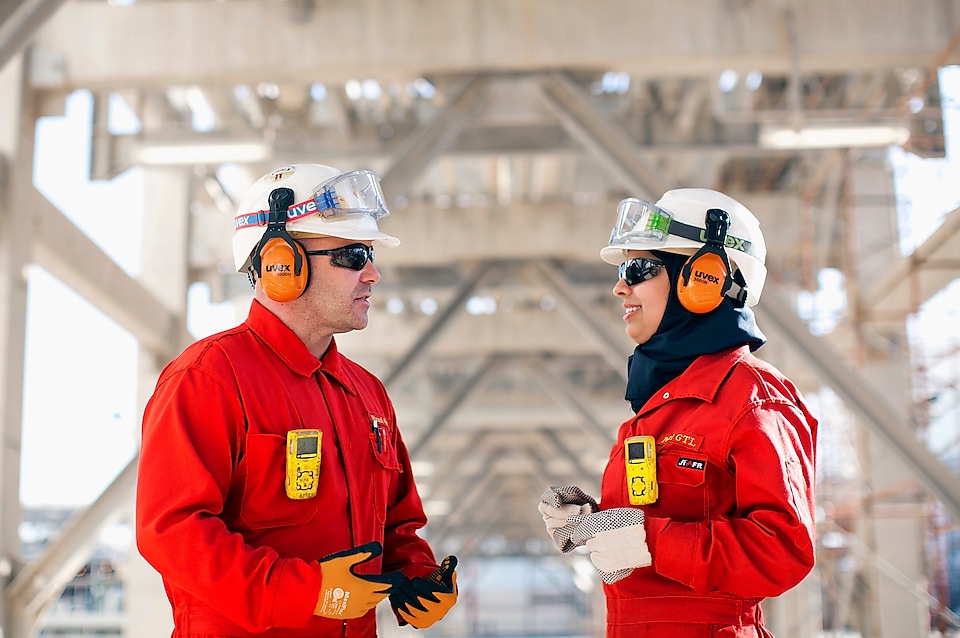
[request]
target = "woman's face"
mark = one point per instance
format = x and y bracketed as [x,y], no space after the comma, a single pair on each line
[645,302]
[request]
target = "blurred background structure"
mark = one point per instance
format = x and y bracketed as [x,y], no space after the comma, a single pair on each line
[505,132]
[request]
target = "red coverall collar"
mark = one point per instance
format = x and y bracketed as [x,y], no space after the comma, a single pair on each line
[702,380]
[292,351]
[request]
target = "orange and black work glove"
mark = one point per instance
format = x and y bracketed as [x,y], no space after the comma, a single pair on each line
[344,593]
[423,601]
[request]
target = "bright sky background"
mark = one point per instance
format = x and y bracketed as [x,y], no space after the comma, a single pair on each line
[80,418]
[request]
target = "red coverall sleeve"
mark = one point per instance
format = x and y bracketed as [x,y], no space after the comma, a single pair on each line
[766,546]
[403,549]
[192,432]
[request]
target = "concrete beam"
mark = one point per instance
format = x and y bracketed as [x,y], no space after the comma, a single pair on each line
[601,135]
[225,42]
[39,585]
[426,142]
[921,275]
[875,411]
[72,257]
[19,19]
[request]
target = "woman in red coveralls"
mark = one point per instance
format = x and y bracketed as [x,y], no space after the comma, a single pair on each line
[728,517]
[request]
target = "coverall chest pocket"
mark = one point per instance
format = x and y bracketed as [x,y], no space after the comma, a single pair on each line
[682,475]
[385,468]
[265,502]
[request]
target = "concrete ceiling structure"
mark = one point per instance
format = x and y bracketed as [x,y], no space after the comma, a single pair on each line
[505,133]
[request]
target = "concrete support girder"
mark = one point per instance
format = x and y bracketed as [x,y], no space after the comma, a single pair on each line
[422,344]
[918,277]
[224,43]
[457,398]
[16,154]
[39,584]
[67,253]
[425,143]
[603,137]
[566,395]
[583,317]
[591,477]
[873,408]
[19,19]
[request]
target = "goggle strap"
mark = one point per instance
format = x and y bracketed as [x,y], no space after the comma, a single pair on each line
[697,234]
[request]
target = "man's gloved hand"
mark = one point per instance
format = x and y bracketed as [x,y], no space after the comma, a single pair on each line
[423,601]
[344,593]
[616,539]
[557,505]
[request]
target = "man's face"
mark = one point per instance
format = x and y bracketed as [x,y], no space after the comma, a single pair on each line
[337,299]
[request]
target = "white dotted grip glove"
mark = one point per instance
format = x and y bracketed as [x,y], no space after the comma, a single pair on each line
[617,541]
[557,506]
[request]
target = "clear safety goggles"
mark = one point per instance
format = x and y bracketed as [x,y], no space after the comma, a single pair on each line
[353,193]
[648,224]
[638,220]
[350,194]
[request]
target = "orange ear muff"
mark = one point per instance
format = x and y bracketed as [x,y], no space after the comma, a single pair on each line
[280,262]
[702,289]
[279,275]
[705,278]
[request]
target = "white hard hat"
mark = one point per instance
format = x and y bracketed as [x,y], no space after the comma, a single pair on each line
[675,224]
[328,203]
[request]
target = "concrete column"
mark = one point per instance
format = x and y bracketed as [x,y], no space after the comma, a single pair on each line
[894,516]
[164,272]
[16,160]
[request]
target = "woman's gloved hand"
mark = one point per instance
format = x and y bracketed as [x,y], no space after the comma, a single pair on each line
[557,505]
[616,539]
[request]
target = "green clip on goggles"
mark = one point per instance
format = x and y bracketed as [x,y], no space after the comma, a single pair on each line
[640,222]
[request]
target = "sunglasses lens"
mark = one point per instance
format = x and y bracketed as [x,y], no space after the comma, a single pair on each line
[352,257]
[636,271]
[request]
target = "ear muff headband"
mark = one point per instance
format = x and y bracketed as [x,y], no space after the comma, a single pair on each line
[279,261]
[705,277]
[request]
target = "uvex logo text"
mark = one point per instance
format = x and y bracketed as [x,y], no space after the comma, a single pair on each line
[730,242]
[277,268]
[300,210]
[699,274]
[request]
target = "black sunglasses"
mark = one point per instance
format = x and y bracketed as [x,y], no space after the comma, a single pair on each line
[638,270]
[354,256]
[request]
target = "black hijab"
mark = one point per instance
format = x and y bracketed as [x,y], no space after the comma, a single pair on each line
[683,336]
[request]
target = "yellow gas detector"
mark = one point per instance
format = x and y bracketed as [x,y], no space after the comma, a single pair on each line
[303,463]
[640,453]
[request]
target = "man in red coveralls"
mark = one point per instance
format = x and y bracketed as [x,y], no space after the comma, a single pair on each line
[275,494]
[707,500]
